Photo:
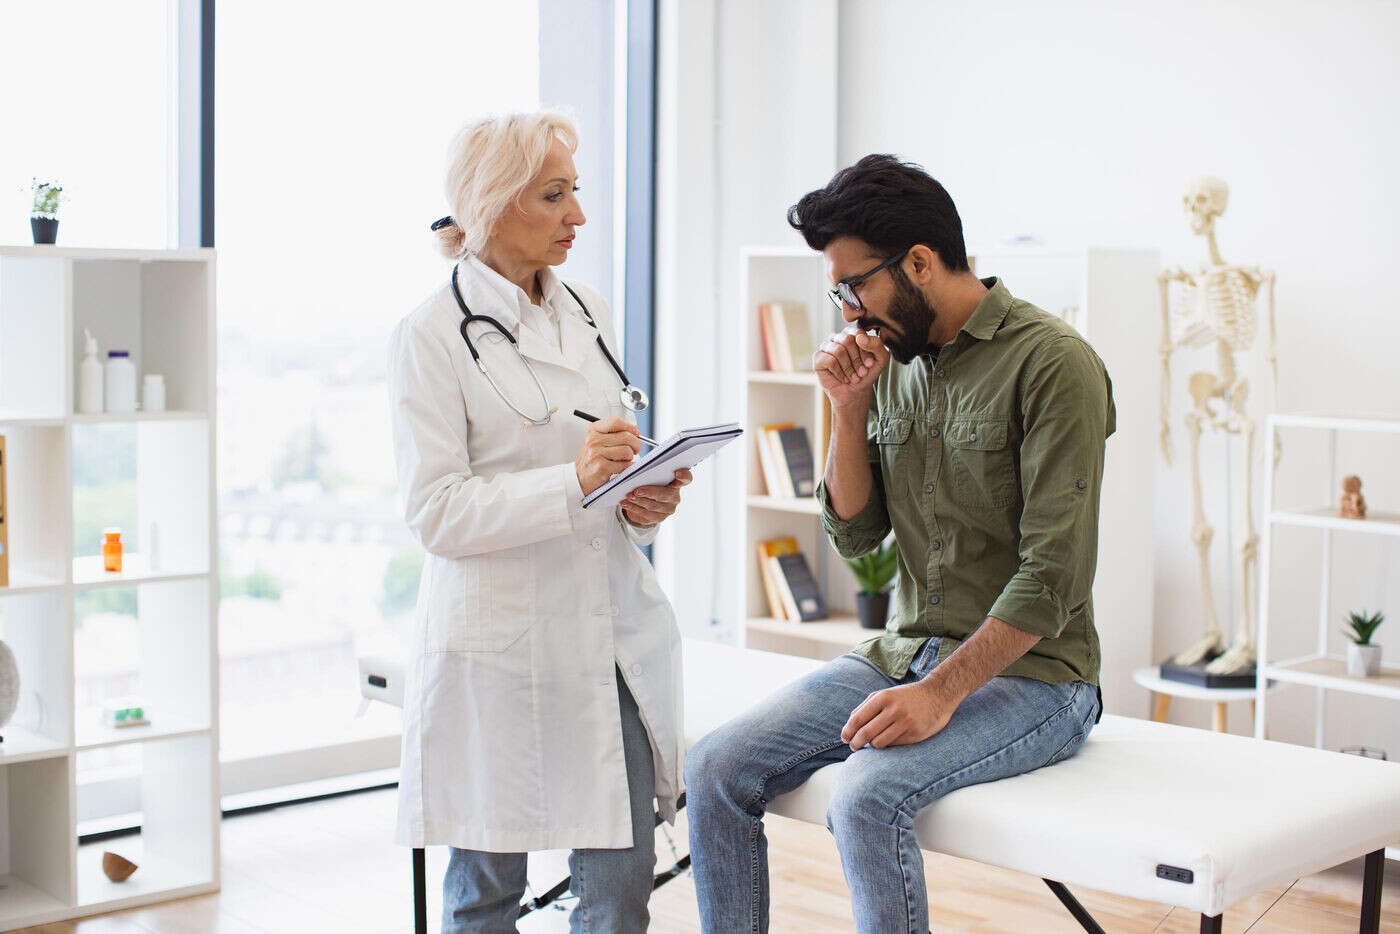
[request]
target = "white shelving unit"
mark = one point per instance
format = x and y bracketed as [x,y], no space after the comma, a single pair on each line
[1110,296]
[1319,669]
[159,305]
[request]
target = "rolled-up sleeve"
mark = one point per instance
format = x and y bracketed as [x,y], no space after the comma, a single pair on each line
[1067,412]
[863,532]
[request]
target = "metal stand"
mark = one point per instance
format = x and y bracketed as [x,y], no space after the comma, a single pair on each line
[1374,879]
[420,893]
[1211,924]
[1081,914]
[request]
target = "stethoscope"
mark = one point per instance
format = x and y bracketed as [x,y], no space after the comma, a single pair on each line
[630,396]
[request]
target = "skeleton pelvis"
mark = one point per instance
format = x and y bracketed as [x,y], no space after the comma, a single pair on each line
[1203,387]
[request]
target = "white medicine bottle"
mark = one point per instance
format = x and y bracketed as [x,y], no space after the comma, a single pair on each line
[90,378]
[119,382]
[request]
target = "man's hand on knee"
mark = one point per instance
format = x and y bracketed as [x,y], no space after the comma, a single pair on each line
[897,716]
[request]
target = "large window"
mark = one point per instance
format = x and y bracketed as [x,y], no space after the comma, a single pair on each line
[331,136]
[88,103]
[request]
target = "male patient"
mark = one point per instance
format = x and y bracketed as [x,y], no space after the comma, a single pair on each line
[981,446]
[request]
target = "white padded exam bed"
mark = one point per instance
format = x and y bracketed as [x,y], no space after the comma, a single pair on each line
[1185,817]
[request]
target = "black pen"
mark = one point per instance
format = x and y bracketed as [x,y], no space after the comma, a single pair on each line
[593,418]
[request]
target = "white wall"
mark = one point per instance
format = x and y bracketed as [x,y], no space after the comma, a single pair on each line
[746,123]
[1081,122]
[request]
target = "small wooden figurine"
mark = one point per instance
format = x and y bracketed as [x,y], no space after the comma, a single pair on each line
[1353,504]
[117,868]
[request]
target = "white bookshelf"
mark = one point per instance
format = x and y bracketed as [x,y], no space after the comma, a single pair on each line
[1110,296]
[159,305]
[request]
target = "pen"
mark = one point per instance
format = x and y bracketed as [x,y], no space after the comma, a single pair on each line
[593,418]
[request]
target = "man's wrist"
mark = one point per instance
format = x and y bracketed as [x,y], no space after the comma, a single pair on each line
[939,691]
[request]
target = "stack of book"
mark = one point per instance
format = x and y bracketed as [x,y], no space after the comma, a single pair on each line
[786,334]
[792,592]
[785,455]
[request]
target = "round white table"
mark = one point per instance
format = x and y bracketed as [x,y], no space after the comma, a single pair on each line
[1163,691]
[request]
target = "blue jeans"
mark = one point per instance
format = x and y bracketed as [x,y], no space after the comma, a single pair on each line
[481,891]
[1009,726]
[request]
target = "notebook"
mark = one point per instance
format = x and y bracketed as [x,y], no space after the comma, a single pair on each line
[683,449]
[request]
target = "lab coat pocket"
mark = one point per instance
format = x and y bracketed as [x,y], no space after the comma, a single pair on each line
[506,604]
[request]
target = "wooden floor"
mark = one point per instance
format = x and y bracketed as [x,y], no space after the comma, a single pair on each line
[328,866]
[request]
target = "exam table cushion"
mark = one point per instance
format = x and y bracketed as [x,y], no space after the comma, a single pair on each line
[1242,815]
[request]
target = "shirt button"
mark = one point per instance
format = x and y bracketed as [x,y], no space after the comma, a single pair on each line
[1081,484]
[973,436]
[636,669]
[933,433]
[934,599]
[937,544]
[928,488]
[597,544]
[938,372]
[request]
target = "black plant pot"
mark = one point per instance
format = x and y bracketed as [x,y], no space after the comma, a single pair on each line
[45,229]
[873,609]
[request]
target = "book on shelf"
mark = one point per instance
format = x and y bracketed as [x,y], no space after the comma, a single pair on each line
[796,461]
[801,597]
[786,334]
[770,458]
[771,549]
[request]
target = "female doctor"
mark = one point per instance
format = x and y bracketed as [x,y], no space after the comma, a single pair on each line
[543,697]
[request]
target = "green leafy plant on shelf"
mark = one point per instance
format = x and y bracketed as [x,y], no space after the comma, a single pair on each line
[875,570]
[1361,626]
[47,197]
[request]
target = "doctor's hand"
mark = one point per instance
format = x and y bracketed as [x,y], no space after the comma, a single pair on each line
[847,364]
[648,505]
[608,448]
[909,713]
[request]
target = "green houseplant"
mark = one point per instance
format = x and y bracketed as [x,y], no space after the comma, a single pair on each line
[1363,656]
[43,216]
[873,572]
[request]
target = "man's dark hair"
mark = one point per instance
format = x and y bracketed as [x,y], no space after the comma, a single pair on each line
[889,204]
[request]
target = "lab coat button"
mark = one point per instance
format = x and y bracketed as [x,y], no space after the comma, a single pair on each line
[597,544]
[636,669]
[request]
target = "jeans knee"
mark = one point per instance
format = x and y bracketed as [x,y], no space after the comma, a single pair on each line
[856,798]
[712,768]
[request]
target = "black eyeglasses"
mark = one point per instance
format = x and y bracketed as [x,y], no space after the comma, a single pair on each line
[845,291]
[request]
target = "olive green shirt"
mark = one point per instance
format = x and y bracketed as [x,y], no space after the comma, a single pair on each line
[987,455]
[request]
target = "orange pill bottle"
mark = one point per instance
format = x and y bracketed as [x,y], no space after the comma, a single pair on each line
[112,550]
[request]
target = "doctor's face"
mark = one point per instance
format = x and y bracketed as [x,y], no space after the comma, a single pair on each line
[538,229]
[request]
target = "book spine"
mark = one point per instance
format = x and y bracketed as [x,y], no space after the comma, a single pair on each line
[784,591]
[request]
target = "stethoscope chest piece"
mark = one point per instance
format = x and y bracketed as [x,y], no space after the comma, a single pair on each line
[633,398]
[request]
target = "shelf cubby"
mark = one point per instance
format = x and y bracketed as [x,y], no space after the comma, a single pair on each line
[175,850]
[36,844]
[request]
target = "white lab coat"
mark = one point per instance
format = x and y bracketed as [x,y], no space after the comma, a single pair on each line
[512,737]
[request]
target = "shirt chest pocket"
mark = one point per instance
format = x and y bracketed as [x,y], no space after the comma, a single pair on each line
[981,466]
[890,444]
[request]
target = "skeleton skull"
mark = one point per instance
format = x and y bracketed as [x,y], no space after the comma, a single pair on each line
[1204,201]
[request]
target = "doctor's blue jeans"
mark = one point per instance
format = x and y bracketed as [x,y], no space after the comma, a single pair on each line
[481,891]
[1009,726]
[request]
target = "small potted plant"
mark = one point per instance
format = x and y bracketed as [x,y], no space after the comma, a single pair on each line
[43,217]
[873,573]
[1363,657]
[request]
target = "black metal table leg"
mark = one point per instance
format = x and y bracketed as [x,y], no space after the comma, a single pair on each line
[1211,924]
[1081,914]
[1374,878]
[420,893]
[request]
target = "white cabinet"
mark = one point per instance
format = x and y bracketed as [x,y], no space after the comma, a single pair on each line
[159,306]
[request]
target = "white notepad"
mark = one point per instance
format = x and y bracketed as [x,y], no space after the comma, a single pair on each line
[658,468]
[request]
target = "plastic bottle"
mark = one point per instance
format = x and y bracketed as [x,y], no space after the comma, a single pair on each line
[153,393]
[90,378]
[112,550]
[119,382]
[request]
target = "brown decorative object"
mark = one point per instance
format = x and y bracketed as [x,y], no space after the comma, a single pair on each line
[117,868]
[1353,504]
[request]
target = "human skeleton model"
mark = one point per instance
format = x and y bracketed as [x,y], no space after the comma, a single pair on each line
[1215,304]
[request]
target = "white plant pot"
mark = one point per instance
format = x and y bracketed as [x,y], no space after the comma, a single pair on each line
[1363,661]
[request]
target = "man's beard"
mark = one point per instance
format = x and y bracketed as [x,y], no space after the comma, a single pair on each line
[911,320]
